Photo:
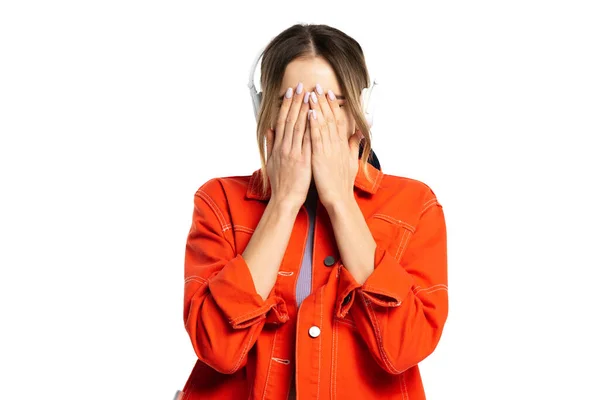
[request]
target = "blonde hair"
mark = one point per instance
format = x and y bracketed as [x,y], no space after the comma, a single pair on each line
[346,58]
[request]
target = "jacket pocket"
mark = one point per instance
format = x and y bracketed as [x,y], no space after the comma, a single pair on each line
[391,233]
[383,228]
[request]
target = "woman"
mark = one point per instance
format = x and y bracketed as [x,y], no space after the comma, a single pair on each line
[326,279]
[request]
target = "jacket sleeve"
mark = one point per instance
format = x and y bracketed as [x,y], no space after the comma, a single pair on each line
[401,309]
[223,313]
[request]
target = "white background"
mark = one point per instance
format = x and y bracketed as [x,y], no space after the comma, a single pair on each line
[113,113]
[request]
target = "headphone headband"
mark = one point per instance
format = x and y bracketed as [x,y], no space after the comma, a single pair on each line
[366,93]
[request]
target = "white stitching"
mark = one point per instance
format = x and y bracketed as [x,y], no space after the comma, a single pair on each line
[378,178]
[378,334]
[394,221]
[238,229]
[242,228]
[195,277]
[385,217]
[195,280]
[241,356]
[429,287]
[404,246]
[429,201]
[438,289]
[215,208]
[426,206]
[269,369]
[202,194]
[439,286]
[400,245]
[320,341]
[258,312]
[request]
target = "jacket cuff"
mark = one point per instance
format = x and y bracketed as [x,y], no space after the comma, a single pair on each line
[347,285]
[387,286]
[233,291]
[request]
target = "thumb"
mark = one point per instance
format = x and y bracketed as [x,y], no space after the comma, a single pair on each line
[354,142]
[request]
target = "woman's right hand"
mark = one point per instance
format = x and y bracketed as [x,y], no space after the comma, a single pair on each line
[289,150]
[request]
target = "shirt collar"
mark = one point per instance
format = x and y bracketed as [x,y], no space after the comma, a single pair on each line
[360,182]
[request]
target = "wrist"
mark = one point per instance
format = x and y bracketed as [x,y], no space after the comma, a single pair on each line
[283,207]
[341,206]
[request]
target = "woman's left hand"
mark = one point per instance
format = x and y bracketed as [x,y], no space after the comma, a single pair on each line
[334,155]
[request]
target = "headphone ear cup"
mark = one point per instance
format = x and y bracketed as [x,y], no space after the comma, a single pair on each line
[256,99]
[364,101]
[364,94]
[369,118]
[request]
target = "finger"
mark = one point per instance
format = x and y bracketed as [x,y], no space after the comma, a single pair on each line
[301,124]
[316,140]
[328,120]
[270,134]
[306,144]
[292,117]
[315,129]
[354,144]
[283,112]
[340,121]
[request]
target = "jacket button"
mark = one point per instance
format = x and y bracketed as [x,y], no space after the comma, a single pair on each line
[314,331]
[346,300]
[329,261]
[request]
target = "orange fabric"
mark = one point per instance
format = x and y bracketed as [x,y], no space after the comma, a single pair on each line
[370,338]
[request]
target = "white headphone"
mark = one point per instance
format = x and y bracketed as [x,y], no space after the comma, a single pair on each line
[365,96]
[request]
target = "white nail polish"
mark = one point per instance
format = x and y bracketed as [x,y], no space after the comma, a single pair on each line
[319,89]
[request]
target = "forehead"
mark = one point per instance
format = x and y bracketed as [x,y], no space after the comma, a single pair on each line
[309,71]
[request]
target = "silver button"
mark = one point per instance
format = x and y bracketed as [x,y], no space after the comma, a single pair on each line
[314,331]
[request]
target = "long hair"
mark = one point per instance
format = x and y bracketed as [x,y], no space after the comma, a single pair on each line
[346,58]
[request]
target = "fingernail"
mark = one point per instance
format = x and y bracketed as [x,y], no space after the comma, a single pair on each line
[288,93]
[306,97]
[319,89]
[299,88]
[331,95]
[314,114]
[309,111]
[313,96]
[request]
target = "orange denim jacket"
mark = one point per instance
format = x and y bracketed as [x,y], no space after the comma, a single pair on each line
[346,340]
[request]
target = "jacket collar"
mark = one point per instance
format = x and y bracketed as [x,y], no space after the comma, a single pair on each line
[361,182]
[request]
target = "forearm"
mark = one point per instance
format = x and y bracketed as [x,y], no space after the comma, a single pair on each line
[401,308]
[223,313]
[268,243]
[354,239]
